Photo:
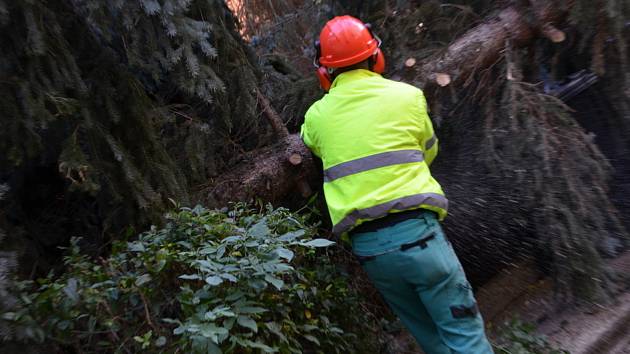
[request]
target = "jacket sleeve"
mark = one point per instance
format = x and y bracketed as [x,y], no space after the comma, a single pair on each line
[428,139]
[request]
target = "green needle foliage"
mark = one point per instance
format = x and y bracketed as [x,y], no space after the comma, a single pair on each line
[113,107]
[210,281]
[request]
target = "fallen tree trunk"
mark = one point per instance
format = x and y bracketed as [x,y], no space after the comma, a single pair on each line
[482,46]
[268,174]
[509,198]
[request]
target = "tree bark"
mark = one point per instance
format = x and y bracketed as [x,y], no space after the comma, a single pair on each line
[270,174]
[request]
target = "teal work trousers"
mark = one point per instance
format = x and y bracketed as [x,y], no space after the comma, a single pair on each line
[424,284]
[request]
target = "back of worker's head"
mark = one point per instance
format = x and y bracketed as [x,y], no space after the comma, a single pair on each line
[343,43]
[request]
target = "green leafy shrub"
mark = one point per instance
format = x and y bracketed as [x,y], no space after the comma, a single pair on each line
[235,281]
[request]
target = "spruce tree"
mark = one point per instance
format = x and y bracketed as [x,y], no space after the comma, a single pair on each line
[111,108]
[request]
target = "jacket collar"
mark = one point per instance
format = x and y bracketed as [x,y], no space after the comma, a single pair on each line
[351,76]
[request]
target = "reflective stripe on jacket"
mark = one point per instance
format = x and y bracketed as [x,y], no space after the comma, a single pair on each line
[376,142]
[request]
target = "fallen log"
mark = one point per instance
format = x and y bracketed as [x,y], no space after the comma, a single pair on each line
[509,199]
[268,173]
[482,45]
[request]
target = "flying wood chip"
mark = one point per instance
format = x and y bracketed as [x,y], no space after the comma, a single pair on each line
[443,79]
[553,34]
[295,159]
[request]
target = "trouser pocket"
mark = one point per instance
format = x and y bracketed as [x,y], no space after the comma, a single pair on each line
[452,306]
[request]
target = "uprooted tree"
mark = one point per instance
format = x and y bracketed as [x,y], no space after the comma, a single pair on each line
[515,182]
[111,110]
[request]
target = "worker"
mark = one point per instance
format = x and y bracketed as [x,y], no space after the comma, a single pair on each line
[376,143]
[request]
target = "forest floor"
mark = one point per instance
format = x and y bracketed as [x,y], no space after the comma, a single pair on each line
[601,329]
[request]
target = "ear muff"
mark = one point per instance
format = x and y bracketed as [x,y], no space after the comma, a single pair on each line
[379,62]
[325,81]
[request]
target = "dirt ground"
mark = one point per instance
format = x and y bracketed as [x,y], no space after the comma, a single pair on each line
[597,328]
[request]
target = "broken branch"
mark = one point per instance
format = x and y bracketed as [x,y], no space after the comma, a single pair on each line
[272,116]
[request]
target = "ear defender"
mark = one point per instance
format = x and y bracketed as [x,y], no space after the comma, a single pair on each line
[325,81]
[379,62]
[378,59]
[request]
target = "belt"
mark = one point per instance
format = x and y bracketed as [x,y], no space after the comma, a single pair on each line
[422,243]
[387,220]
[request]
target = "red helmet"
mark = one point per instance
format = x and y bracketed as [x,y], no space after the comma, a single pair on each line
[345,41]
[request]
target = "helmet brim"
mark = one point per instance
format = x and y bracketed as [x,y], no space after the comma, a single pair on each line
[359,57]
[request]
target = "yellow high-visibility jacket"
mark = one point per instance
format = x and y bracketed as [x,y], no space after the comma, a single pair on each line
[376,142]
